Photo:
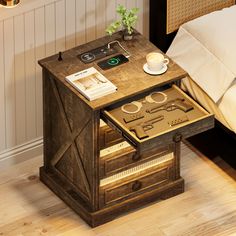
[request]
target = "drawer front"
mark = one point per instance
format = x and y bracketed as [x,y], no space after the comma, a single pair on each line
[137,180]
[127,157]
[134,187]
[159,124]
[114,158]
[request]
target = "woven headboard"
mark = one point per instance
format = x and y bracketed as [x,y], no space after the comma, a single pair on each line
[167,15]
[180,11]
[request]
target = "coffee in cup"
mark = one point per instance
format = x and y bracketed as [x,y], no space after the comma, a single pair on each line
[156,61]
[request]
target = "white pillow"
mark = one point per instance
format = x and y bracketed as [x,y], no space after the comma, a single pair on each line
[206,48]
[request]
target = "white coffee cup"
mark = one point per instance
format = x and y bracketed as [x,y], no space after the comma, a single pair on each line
[156,61]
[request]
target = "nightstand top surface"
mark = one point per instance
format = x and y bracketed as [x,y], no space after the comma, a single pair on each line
[129,78]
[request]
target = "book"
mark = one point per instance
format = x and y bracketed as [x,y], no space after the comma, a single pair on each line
[91,83]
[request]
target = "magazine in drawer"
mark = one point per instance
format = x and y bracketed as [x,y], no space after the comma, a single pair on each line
[159,117]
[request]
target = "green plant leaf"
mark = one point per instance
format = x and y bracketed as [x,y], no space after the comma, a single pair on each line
[121,10]
[134,10]
[128,18]
[112,28]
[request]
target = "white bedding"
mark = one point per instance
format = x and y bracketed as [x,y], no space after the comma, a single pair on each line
[206,49]
[228,106]
[224,110]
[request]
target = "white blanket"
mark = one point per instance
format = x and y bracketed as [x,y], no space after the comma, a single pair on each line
[206,48]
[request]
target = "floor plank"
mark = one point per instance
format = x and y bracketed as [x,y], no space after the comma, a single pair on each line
[207,207]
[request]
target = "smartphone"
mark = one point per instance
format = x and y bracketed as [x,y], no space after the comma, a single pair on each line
[112,62]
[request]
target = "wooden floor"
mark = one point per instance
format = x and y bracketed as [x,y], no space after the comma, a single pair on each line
[208,206]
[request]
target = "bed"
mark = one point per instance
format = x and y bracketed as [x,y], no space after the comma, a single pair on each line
[204,46]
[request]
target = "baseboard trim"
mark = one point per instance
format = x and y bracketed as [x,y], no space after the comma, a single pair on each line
[21,153]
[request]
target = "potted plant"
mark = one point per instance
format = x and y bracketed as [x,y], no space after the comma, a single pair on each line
[128,18]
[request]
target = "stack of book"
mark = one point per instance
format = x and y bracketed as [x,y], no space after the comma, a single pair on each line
[91,83]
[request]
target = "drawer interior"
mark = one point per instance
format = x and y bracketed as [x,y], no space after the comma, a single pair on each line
[156,114]
[107,136]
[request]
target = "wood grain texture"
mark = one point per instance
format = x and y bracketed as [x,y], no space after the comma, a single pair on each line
[128,157]
[207,207]
[154,179]
[71,161]
[108,137]
[162,134]
[108,213]
[72,164]
[129,78]
[70,141]
[116,161]
[28,33]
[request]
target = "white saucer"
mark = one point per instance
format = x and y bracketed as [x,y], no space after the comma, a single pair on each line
[146,69]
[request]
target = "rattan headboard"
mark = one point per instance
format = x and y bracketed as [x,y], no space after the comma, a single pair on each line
[167,15]
[180,11]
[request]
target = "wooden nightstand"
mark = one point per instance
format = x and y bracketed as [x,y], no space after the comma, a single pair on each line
[102,173]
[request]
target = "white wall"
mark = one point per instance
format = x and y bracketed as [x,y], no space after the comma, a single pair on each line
[31,31]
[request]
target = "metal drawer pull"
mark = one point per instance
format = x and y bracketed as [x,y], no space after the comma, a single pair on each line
[137,185]
[177,137]
[136,157]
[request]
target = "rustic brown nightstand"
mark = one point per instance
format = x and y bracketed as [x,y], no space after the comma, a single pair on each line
[99,172]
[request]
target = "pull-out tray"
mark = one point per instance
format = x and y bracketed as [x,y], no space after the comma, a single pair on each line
[158,118]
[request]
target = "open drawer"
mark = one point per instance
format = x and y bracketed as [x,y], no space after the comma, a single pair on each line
[158,118]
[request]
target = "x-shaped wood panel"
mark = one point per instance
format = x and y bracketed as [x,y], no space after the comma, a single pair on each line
[71,142]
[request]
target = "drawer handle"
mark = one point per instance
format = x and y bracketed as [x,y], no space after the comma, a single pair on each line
[136,157]
[137,185]
[177,137]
